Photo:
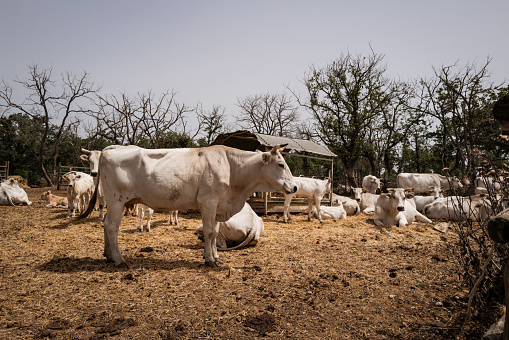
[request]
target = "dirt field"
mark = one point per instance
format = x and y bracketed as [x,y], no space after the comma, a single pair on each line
[343,279]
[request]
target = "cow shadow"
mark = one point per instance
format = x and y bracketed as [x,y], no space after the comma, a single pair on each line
[72,264]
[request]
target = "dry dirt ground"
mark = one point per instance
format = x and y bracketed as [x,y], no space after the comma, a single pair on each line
[344,279]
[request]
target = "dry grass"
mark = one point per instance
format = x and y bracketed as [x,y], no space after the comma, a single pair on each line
[343,279]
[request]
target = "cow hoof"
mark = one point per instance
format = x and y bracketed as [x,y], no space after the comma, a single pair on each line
[122,265]
[211,264]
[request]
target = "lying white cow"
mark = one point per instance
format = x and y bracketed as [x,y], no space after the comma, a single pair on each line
[371,184]
[242,229]
[312,188]
[393,208]
[79,191]
[366,200]
[12,194]
[349,204]
[421,183]
[217,180]
[54,201]
[422,201]
[92,157]
[459,208]
[490,184]
[336,212]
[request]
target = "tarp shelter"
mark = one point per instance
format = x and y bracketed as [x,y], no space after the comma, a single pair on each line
[250,141]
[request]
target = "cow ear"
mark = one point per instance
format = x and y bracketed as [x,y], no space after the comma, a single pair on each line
[85,150]
[84,157]
[266,157]
[409,194]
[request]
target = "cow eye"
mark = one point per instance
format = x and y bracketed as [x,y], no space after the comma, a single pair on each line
[281,165]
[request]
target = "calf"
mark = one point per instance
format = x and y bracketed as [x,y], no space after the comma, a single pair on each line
[349,204]
[366,200]
[54,201]
[79,191]
[336,212]
[312,188]
[242,229]
[393,208]
[145,209]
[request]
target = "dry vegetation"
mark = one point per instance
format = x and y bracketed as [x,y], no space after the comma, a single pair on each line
[343,279]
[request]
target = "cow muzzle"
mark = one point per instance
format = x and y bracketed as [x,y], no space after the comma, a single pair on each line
[401,208]
[295,188]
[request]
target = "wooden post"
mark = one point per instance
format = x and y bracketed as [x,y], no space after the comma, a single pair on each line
[58,175]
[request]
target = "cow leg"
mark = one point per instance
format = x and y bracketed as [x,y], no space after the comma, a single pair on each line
[150,212]
[286,208]
[318,202]
[142,214]
[111,226]
[135,210]
[210,231]
[421,218]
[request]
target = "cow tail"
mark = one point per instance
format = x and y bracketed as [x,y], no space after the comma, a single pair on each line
[244,243]
[92,202]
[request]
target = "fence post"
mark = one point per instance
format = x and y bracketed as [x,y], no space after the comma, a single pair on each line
[58,175]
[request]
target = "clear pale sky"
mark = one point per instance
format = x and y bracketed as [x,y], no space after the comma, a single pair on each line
[214,52]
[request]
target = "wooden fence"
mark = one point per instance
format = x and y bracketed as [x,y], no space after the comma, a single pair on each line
[4,171]
[63,169]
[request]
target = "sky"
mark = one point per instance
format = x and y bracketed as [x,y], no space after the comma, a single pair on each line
[217,52]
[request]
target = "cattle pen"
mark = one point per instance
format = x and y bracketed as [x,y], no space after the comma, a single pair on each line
[268,202]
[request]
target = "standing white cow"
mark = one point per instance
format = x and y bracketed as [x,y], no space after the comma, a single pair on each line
[349,204]
[371,184]
[242,229]
[366,200]
[421,183]
[92,157]
[79,191]
[12,194]
[312,188]
[393,208]
[149,211]
[217,180]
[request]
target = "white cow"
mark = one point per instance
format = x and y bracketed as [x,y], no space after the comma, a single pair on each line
[149,211]
[12,194]
[92,157]
[422,201]
[349,204]
[421,183]
[393,208]
[336,212]
[366,200]
[488,183]
[217,180]
[54,201]
[79,191]
[459,208]
[312,188]
[242,229]
[371,184]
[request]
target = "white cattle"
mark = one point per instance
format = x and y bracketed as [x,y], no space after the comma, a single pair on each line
[393,208]
[366,200]
[336,212]
[12,194]
[458,208]
[421,183]
[79,191]
[242,229]
[422,201]
[54,201]
[349,204]
[371,184]
[489,183]
[217,180]
[312,188]
[149,211]
[92,157]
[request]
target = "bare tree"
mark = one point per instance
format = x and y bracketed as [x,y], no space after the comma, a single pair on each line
[271,114]
[212,123]
[142,119]
[56,108]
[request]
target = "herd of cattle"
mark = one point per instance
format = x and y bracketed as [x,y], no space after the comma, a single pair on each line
[218,181]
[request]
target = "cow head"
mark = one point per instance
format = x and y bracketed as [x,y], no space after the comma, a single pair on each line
[455,183]
[93,158]
[45,194]
[276,172]
[71,177]
[357,194]
[435,192]
[397,197]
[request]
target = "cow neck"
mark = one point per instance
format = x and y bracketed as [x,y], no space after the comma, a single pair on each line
[245,171]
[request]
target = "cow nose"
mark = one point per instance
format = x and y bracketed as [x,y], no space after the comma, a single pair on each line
[401,208]
[93,174]
[358,199]
[295,188]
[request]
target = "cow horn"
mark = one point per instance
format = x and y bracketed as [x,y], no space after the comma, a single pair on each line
[279,147]
[85,150]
